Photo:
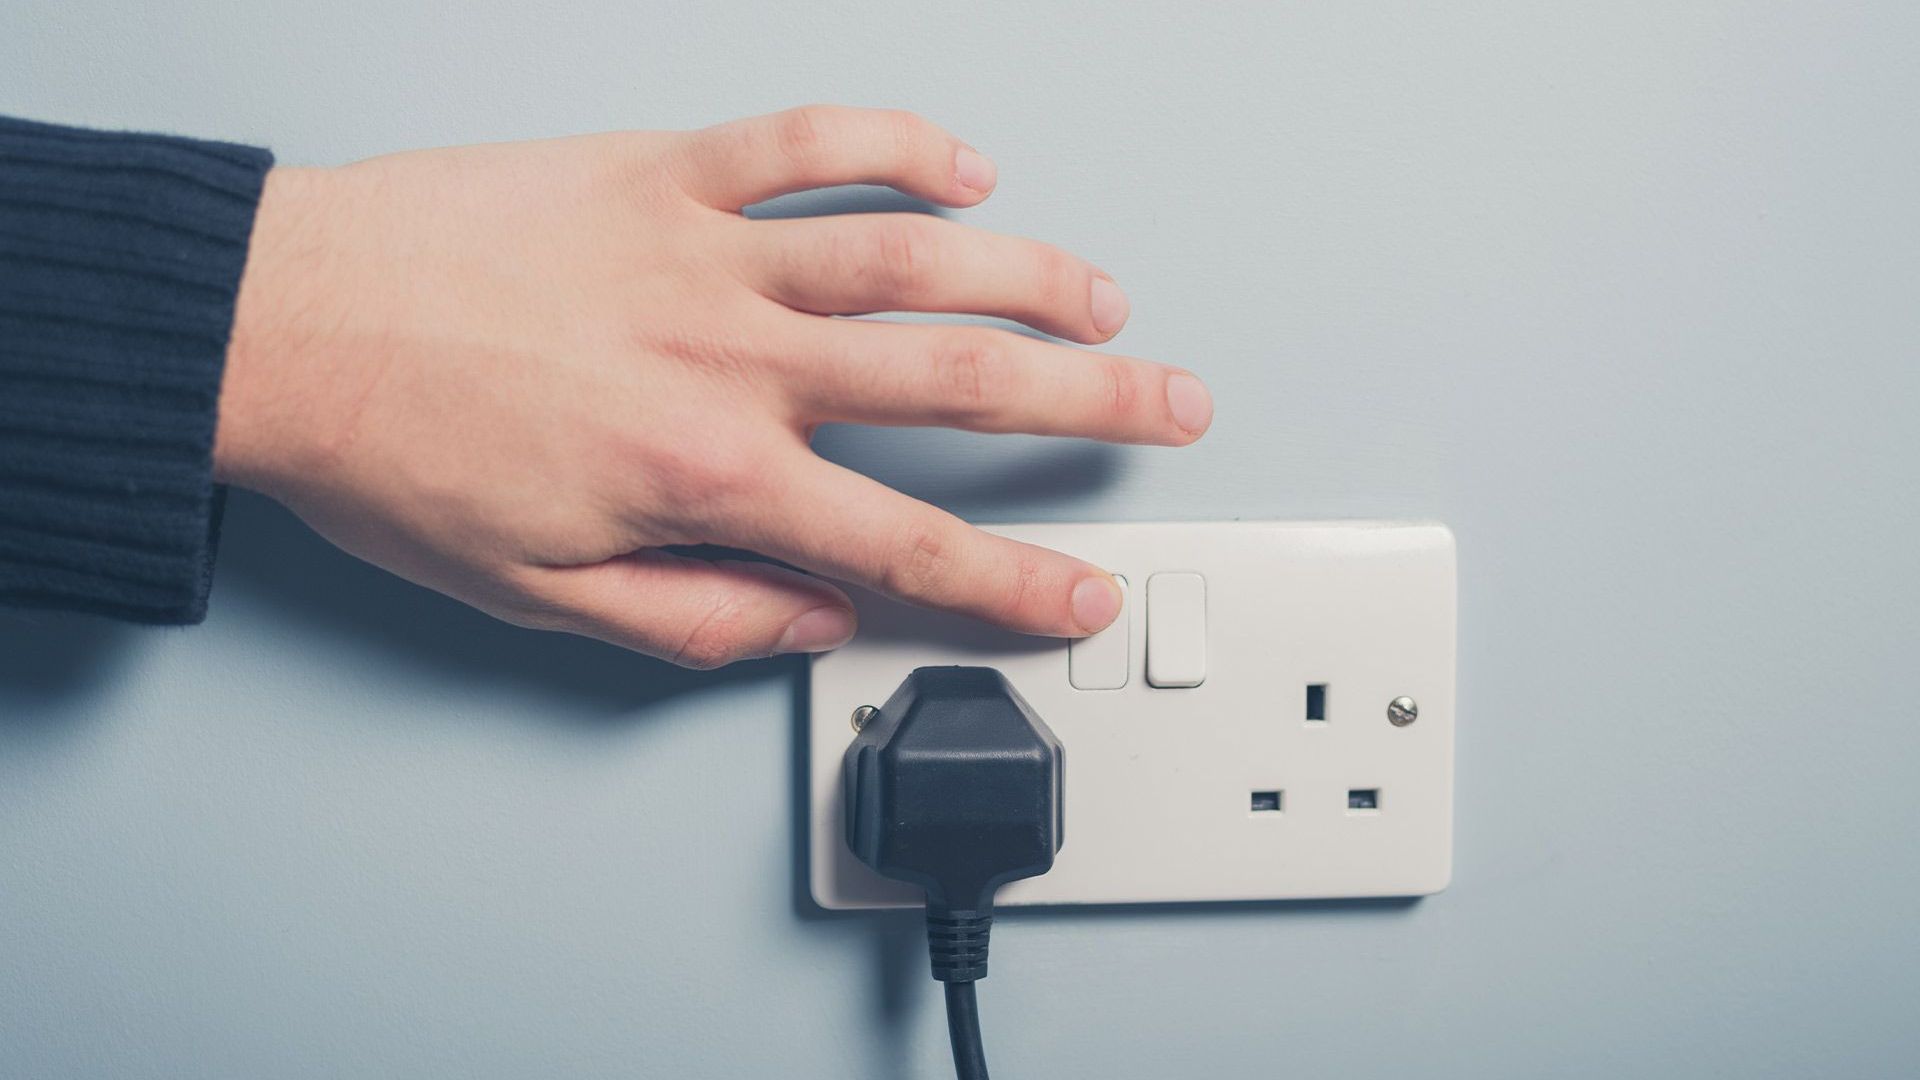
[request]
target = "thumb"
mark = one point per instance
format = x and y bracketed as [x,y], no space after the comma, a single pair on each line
[695,612]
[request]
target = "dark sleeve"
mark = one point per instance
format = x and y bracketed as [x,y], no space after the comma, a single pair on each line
[120,257]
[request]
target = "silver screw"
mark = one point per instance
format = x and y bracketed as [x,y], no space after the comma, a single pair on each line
[863,715]
[1402,711]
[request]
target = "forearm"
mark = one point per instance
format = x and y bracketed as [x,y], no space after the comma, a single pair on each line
[120,257]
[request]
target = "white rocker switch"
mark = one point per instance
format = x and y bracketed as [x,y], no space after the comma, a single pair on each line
[1176,630]
[1099,661]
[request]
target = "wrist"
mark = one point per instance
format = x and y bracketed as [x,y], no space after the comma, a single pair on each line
[266,408]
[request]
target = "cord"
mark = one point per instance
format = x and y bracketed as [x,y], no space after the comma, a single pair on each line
[957,944]
[963,1025]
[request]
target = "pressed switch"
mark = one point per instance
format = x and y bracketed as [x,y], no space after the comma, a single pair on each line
[1099,661]
[1176,630]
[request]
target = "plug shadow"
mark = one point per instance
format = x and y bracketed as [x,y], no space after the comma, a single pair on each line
[1372,906]
[270,559]
[896,940]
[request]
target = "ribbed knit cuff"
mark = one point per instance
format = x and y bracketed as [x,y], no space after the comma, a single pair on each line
[120,258]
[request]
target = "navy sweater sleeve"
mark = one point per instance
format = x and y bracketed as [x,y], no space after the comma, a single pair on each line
[120,257]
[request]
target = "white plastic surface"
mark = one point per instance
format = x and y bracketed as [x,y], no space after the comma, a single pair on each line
[1164,787]
[1176,630]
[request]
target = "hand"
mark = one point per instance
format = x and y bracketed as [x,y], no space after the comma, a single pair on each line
[514,373]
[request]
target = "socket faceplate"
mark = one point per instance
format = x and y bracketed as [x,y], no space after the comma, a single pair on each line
[1227,790]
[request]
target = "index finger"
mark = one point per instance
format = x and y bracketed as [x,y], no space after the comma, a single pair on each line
[834,521]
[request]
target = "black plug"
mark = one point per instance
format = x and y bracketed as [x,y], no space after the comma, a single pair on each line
[954,785]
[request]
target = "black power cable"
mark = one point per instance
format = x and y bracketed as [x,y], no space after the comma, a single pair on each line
[963,1027]
[954,785]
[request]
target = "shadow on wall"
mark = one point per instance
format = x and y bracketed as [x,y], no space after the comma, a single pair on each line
[851,199]
[271,560]
[51,663]
[982,477]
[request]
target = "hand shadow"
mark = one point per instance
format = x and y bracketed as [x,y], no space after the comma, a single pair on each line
[53,662]
[980,477]
[853,199]
[271,560]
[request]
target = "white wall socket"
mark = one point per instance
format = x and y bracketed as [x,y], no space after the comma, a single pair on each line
[1265,764]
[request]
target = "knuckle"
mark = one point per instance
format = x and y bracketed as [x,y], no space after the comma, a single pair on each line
[1021,587]
[704,661]
[918,561]
[717,640]
[909,129]
[520,596]
[702,473]
[902,258]
[1119,390]
[524,608]
[681,161]
[722,347]
[1054,276]
[970,374]
[801,135]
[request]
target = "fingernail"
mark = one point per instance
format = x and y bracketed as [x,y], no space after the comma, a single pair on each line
[1096,600]
[818,630]
[1110,306]
[973,170]
[1189,402]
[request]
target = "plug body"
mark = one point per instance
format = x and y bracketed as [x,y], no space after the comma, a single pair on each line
[955,785]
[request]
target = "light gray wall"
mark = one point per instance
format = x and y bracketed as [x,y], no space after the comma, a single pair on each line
[1625,292]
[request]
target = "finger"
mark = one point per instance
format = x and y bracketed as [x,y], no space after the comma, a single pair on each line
[856,263]
[983,379]
[694,612]
[748,161]
[837,522]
